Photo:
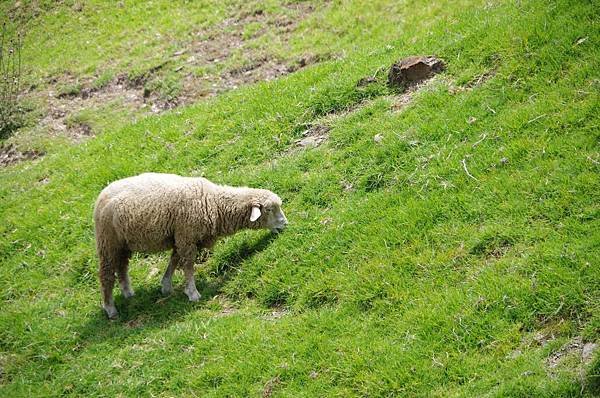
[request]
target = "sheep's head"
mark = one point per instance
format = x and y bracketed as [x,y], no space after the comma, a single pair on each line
[267,213]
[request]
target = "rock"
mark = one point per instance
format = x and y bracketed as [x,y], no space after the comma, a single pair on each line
[588,351]
[311,141]
[413,70]
[314,136]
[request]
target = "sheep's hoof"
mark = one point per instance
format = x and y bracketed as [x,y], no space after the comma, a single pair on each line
[111,311]
[166,289]
[128,293]
[193,296]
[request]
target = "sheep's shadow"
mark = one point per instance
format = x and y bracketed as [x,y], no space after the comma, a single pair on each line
[149,309]
[227,263]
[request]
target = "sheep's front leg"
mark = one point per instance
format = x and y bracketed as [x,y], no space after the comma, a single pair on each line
[167,284]
[187,255]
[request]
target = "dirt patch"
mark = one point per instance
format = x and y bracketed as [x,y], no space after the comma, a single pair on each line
[230,38]
[544,337]
[81,130]
[577,348]
[276,313]
[270,386]
[63,107]
[399,102]
[574,357]
[262,69]
[473,83]
[402,100]
[482,78]
[314,136]
[215,50]
[566,350]
[9,154]
[308,60]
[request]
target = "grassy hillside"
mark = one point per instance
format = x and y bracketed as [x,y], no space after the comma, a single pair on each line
[444,242]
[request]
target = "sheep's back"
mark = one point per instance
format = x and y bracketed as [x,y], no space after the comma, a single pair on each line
[145,210]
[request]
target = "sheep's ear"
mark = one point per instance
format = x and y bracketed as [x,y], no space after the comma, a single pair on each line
[255,213]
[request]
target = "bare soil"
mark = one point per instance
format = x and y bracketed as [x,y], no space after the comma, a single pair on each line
[209,48]
[9,154]
[583,351]
[276,313]
[314,136]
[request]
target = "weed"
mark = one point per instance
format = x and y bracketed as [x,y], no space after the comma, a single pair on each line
[103,80]
[69,90]
[11,112]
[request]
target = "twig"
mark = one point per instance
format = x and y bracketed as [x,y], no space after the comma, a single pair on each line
[464,163]
[536,118]
[484,136]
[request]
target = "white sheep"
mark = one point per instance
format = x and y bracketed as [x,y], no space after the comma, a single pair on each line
[154,212]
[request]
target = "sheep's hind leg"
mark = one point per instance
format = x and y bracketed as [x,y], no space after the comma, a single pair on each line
[167,279]
[123,275]
[107,282]
[187,257]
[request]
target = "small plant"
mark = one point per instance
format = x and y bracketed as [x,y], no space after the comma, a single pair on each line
[167,87]
[11,114]
[69,90]
[103,80]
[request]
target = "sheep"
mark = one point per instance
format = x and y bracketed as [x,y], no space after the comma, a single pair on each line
[154,212]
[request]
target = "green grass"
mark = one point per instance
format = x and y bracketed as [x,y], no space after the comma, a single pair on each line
[98,36]
[399,275]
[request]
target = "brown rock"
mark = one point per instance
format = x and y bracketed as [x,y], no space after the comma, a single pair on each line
[413,70]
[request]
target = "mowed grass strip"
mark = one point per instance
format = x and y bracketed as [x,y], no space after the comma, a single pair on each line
[400,273]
